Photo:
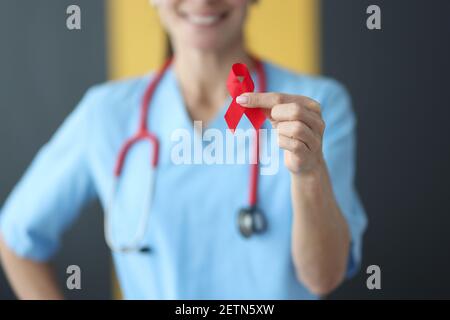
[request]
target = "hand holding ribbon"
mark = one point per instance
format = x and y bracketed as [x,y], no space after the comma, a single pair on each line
[236,88]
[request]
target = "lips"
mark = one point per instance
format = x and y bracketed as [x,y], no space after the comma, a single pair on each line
[203,20]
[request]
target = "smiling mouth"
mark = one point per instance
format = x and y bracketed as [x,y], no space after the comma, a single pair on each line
[203,20]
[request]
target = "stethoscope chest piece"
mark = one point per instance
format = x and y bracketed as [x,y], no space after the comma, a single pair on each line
[251,221]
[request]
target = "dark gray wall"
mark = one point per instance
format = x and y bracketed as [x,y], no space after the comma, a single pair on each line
[44,71]
[399,80]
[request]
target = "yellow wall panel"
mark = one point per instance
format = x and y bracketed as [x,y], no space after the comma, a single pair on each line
[136,41]
[286,32]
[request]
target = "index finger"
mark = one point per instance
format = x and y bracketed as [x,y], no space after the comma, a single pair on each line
[268,100]
[263,99]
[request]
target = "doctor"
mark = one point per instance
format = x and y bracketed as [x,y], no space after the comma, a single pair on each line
[192,246]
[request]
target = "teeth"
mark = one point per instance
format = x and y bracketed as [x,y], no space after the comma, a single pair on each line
[203,20]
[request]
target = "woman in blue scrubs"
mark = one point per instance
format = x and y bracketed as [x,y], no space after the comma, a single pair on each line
[315,220]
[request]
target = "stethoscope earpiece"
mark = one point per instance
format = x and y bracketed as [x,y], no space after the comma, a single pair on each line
[251,221]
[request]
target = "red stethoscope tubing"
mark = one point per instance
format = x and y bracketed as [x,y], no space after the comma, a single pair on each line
[144,134]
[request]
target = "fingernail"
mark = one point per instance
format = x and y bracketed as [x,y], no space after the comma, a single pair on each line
[242,99]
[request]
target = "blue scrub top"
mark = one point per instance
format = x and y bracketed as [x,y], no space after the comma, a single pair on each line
[198,252]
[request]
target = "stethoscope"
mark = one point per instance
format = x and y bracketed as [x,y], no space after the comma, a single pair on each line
[251,219]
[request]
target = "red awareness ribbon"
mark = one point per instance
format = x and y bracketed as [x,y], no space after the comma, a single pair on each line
[236,88]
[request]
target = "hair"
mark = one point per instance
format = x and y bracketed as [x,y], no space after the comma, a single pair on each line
[169,48]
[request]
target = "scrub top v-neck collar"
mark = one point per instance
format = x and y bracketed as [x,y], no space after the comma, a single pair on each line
[217,122]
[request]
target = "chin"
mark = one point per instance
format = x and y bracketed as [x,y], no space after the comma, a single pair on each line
[204,40]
